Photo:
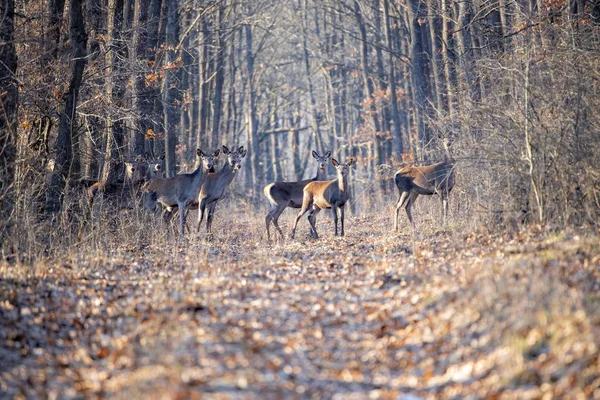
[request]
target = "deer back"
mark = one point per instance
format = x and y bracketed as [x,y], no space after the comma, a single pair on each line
[430,177]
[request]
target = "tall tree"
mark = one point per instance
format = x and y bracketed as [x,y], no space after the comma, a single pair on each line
[220,49]
[251,118]
[139,124]
[171,98]
[113,136]
[8,114]
[67,123]
[396,133]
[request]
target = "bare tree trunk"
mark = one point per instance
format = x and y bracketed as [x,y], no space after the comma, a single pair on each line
[396,133]
[9,101]
[368,86]
[220,48]
[52,39]
[446,58]
[114,129]
[203,74]
[171,106]
[313,103]
[420,75]
[64,156]
[251,119]
[139,91]
[434,37]
[382,79]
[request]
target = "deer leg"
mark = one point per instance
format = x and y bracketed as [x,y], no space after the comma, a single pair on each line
[209,218]
[335,220]
[201,208]
[303,210]
[167,215]
[182,210]
[409,203]
[342,218]
[312,219]
[401,203]
[268,220]
[275,219]
[444,208]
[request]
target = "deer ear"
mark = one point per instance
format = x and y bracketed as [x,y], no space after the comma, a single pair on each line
[240,149]
[216,153]
[350,161]
[315,154]
[199,152]
[243,153]
[334,162]
[163,156]
[328,154]
[225,150]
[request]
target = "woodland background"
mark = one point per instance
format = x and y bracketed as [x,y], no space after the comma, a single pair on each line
[86,85]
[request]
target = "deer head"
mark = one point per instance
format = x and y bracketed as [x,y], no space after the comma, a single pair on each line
[342,169]
[447,140]
[322,160]
[234,158]
[208,159]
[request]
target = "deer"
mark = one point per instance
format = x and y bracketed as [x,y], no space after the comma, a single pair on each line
[137,172]
[289,194]
[332,194]
[215,184]
[413,181]
[181,190]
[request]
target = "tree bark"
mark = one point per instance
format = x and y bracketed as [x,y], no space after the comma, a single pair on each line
[52,39]
[203,73]
[9,100]
[220,48]
[66,125]
[113,89]
[171,101]
[251,119]
[396,132]
[139,92]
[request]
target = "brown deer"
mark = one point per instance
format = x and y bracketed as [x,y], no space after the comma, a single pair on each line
[413,181]
[181,190]
[214,186]
[326,194]
[289,194]
[136,173]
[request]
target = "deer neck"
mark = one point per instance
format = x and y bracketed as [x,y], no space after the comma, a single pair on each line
[198,176]
[342,183]
[226,173]
[320,174]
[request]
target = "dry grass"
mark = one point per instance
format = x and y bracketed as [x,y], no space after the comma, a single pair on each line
[133,312]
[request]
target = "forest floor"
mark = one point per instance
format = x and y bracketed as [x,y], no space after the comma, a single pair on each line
[471,314]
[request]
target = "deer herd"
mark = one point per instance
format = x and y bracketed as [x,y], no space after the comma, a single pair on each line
[203,188]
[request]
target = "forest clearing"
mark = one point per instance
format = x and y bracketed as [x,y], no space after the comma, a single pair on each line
[472,314]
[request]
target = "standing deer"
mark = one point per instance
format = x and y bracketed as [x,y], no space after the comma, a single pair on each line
[289,194]
[214,186]
[181,190]
[326,194]
[137,172]
[428,180]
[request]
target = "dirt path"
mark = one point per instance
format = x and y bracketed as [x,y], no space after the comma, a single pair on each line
[470,316]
